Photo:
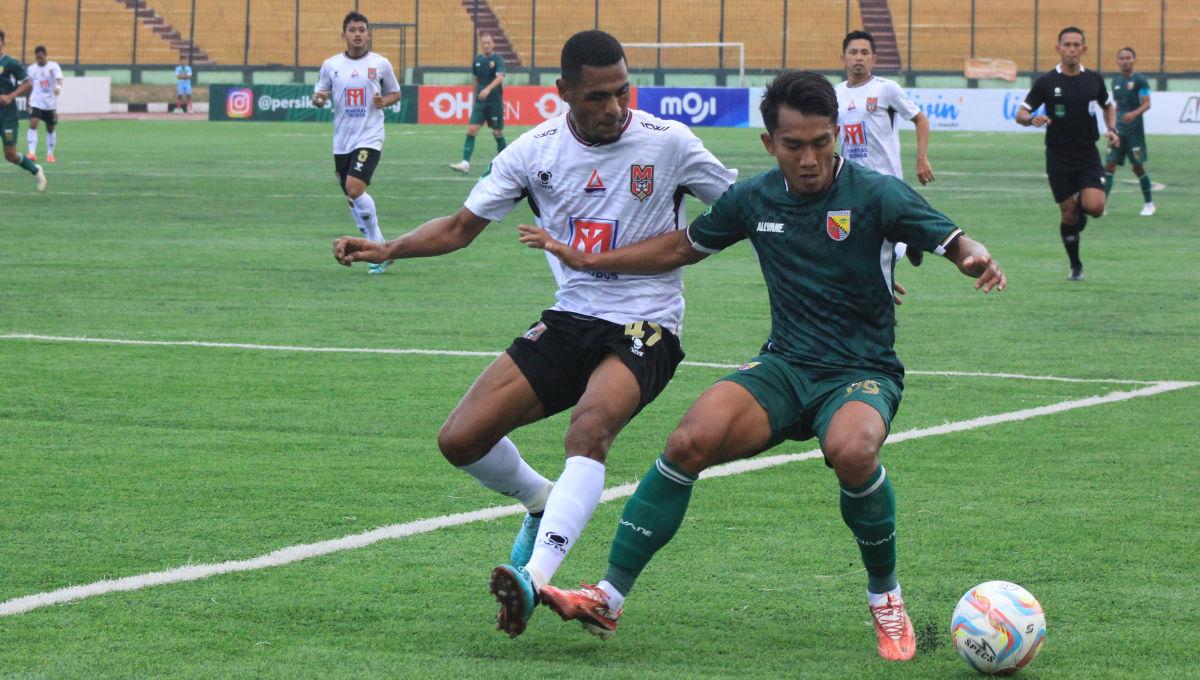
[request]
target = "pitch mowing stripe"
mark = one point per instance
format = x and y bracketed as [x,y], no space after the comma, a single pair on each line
[466,353]
[306,551]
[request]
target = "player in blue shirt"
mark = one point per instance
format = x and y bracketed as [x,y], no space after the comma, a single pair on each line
[183,74]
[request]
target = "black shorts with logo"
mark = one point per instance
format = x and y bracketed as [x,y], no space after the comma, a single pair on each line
[558,354]
[1072,170]
[47,115]
[359,163]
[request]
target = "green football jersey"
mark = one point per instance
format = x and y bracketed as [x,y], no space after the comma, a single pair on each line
[828,260]
[1128,93]
[485,69]
[12,74]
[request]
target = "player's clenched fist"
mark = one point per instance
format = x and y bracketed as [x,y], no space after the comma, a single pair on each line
[348,250]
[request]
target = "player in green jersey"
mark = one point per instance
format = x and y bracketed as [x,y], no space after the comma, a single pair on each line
[823,230]
[488,74]
[14,82]
[1132,92]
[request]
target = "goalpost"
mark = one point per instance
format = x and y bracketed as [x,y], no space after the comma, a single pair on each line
[740,47]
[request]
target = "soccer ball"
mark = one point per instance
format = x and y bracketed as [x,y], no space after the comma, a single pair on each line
[998,627]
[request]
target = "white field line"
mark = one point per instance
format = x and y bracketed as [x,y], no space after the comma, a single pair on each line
[467,353]
[306,551]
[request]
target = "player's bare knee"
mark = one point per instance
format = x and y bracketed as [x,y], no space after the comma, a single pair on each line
[853,455]
[1070,213]
[591,435]
[458,445]
[1139,170]
[688,450]
[10,155]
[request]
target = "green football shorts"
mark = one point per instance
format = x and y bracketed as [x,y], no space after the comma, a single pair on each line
[800,402]
[9,125]
[489,111]
[1133,146]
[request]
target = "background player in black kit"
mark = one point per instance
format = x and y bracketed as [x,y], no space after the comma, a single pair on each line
[1072,161]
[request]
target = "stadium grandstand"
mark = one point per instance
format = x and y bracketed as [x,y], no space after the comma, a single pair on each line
[128,38]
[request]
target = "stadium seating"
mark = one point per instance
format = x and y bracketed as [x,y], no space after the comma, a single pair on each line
[940,31]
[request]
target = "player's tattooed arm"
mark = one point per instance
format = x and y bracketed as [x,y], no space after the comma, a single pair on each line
[975,261]
[655,255]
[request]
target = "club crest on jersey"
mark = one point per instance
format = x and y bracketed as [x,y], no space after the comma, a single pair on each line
[372,74]
[872,104]
[595,185]
[641,181]
[837,224]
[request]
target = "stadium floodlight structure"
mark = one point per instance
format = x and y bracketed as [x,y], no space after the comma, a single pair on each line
[741,49]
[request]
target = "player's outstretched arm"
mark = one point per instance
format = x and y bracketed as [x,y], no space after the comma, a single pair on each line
[975,261]
[438,236]
[653,256]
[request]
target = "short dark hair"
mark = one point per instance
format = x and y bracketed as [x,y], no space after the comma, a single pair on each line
[589,48]
[858,35]
[1129,50]
[40,49]
[808,92]
[2,38]
[1072,29]
[354,16]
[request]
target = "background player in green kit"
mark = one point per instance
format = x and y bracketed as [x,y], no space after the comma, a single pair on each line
[14,82]
[1132,93]
[823,229]
[488,72]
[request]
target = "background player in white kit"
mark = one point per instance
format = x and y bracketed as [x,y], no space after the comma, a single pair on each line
[598,177]
[47,79]
[867,109]
[362,84]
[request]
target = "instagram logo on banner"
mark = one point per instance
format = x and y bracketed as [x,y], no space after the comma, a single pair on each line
[239,102]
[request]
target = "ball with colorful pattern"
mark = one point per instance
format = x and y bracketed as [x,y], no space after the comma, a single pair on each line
[998,627]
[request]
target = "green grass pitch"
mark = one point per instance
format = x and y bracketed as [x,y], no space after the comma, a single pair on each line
[121,460]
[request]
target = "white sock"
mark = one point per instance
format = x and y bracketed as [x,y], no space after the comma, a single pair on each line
[362,227]
[365,205]
[503,470]
[876,599]
[571,504]
[51,139]
[615,599]
[31,136]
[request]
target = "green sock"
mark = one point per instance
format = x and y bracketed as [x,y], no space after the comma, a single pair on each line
[468,148]
[500,144]
[1145,182]
[27,165]
[1107,183]
[870,512]
[650,518]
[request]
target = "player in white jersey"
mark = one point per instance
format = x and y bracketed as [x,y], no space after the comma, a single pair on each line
[598,177]
[47,80]
[361,84]
[868,107]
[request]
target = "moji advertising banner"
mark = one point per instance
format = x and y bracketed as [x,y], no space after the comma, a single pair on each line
[523,104]
[698,106]
[290,102]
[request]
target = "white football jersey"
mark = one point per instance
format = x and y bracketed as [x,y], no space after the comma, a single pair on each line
[45,79]
[870,132]
[352,84]
[599,197]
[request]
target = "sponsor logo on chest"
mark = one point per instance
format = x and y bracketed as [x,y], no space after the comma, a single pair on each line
[770,227]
